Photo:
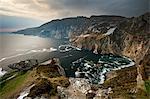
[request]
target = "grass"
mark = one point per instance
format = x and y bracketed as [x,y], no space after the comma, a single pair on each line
[7,75]
[9,87]
[147,86]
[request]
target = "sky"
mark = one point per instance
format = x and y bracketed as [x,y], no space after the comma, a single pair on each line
[21,14]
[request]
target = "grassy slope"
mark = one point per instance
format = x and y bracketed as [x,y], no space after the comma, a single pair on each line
[124,83]
[12,86]
[147,86]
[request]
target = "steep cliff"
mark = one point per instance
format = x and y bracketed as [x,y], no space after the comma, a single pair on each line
[108,34]
[69,27]
[130,38]
[131,34]
[102,34]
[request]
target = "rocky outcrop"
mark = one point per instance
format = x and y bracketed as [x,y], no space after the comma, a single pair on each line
[24,65]
[124,85]
[43,86]
[49,76]
[77,89]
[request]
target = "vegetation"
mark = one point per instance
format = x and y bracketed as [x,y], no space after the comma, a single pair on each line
[48,71]
[147,86]
[43,86]
[9,87]
[122,84]
[48,80]
[7,75]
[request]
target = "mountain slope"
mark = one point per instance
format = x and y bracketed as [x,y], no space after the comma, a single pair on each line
[102,34]
[67,27]
[130,38]
[109,34]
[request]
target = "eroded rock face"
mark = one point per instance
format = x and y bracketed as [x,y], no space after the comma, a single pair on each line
[77,89]
[70,27]
[43,86]
[49,76]
[80,88]
[24,65]
[130,38]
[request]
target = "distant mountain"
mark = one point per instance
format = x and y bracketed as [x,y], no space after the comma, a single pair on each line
[73,26]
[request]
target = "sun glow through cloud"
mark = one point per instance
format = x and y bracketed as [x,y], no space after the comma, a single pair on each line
[25,8]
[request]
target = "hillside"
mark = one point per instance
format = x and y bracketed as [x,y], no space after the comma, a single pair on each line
[76,25]
[118,35]
[102,34]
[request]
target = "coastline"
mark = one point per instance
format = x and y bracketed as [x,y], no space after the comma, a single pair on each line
[40,55]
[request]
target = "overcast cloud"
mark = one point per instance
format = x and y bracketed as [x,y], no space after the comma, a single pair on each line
[46,10]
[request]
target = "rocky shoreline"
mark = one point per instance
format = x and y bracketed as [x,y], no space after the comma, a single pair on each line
[91,73]
[49,76]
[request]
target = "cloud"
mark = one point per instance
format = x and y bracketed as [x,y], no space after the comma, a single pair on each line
[49,9]
[46,10]
[25,8]
[91,7]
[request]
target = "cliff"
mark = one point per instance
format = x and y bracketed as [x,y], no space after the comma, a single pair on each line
[108,34]
[130,38]
[64,28]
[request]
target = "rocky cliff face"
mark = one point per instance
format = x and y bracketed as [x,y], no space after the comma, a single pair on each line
[69,27]
[131,34]
[130,38]
[49,77]
[107,34]
[102,34]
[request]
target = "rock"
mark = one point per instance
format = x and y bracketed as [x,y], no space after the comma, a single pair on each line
[77,89]
[99,93]
[103,93]
[71,27]
[80,84]
[53,69]
[43,86]
[24,65]
[49,77]
[140,81]
[63,94]
[90,95]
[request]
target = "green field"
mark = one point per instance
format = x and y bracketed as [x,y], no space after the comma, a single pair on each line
[147,86]
[8,87]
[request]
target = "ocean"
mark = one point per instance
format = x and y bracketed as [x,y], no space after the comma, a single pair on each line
[17,47]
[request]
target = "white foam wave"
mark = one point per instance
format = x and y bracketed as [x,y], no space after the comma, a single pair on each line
[2,72]
[118,68]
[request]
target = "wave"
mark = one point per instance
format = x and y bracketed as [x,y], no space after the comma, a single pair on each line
[2,72]
[97,74]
